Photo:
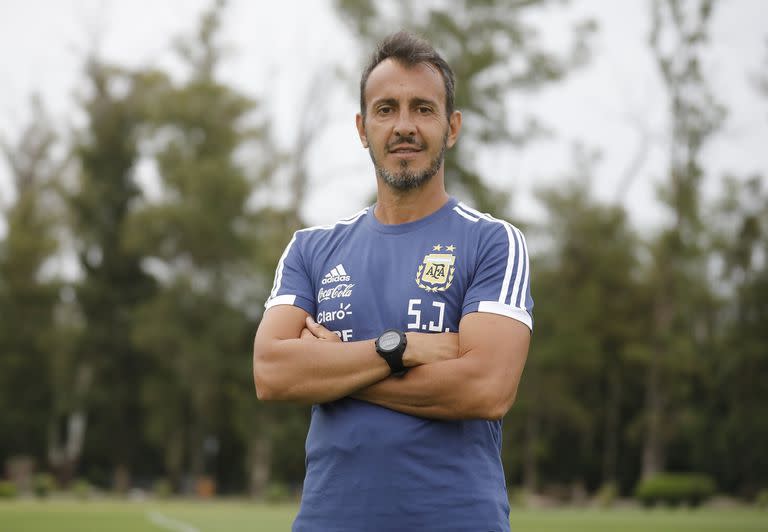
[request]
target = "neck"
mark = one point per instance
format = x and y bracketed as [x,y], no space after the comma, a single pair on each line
[398,207]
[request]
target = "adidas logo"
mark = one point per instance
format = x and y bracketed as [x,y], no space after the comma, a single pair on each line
[337,275]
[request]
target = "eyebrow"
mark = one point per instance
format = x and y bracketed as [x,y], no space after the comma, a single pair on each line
[413,102]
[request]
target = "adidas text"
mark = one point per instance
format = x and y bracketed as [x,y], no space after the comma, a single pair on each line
[336,279]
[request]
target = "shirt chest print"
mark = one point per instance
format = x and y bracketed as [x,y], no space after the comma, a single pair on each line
[437,269]
[336,287]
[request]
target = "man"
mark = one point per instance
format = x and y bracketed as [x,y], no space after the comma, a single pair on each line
[406,326]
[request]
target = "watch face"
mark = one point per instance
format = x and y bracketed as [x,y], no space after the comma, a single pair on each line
[389,340]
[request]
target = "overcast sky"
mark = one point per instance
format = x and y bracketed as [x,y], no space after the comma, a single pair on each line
[277,46]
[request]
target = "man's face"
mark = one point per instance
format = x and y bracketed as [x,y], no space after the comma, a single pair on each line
[406,129]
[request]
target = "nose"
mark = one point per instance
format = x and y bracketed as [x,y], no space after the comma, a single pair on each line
[405,127]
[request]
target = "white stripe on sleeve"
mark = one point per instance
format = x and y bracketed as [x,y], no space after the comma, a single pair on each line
[510,256]
[519,252]
[279,272]
[512,238]
[525,274]
[494,307]
[287,299]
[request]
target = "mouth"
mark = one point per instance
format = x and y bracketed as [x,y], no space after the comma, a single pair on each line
[405,150]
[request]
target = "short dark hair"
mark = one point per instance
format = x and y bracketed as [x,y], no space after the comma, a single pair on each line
[409,50]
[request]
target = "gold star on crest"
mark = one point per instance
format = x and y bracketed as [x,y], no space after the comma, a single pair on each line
[437,247]
[450,248]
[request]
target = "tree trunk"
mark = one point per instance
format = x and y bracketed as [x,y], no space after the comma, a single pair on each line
[66,435]
[121,479]
[260,465]
[653,445]
[530,470]
[612,426]
[65,447]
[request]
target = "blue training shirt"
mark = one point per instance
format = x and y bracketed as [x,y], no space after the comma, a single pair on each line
[369,468]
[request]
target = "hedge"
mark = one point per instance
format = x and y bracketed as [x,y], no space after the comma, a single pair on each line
[675,488]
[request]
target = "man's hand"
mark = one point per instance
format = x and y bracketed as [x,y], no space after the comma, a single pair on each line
[481,383]
[315,330]
[290,363]
[422,348]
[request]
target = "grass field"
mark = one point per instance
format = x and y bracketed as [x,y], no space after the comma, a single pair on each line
[191,516]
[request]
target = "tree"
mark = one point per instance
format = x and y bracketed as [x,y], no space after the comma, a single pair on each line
[495,53]
[113,283]
[28,294]
[577,381]
[739,361]
[678,276]
[210,243]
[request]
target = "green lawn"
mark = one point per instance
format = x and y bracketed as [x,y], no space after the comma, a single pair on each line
[190,516]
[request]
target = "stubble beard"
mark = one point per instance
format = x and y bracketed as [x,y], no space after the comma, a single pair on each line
[406,179]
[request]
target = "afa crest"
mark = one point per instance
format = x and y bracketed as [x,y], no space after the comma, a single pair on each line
[436,270]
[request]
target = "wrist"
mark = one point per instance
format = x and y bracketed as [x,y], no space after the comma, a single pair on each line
[391,346]
[409,355]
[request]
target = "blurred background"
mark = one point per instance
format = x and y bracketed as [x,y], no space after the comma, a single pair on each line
[157,156]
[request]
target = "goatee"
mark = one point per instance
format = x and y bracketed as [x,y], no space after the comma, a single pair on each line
[406,179]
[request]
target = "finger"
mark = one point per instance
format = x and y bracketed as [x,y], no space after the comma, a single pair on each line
[319,331]
[312,327]
[306,333]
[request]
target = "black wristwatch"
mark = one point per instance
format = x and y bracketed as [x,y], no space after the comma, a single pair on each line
[390,346]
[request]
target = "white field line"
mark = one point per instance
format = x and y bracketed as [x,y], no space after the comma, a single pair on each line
[156,518]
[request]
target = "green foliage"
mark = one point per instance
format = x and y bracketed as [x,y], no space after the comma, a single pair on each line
[43,484]
[675,489]
[162,488]
[27,298]
[572,393]
[676,279]
[606,495]
[761,499]
[82,489]
[7,489]
[518,498]
[277,492]
[213,258]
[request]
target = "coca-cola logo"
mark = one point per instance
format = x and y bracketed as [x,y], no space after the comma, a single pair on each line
[341,290]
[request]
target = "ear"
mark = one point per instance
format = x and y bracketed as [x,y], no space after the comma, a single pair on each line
[360,123]
[454,127]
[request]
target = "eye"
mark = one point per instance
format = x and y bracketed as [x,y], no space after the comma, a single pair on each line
[424,109]
[384,110]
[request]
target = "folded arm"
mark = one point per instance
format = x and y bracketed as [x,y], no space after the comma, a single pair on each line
[480,384]
[296,359]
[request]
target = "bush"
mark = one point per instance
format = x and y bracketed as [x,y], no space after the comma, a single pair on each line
[518,497]
[761,501]
[43,484]
[277,492]
[162,488]
[675,488]
[606,495]
[81,488]
[7,489]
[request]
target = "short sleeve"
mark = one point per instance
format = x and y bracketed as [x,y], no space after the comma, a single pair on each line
[501,284]
[292,284]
